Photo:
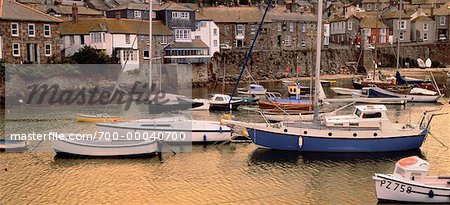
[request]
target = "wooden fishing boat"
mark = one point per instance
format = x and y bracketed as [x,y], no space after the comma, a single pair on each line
[410,183]
[98,118]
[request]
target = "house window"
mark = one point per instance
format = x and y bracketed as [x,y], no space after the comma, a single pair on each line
[279,27]
[197,26]
[401,36]
[369,7]
[425,27]
[288,40]
[47,30]
[31,30]
[303,28]
[180,15]
[350,25]
[402,24]
[137,14]
[215,43]
[239,43]
[425,36]
[129,55]
[96,37]
[16,49]
[48,49]
[127,38]
[442,21]
[153,15]
[163,40]
[14,29]
[240,29]
[146,56]
[252,29]
[182,34]
[291,27]
[72,40]
[215,32]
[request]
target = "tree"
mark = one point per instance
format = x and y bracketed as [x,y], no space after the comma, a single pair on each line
[90,55]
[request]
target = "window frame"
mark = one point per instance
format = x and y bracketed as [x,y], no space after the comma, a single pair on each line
[49,30]
[17,29]
[29,30]
[291,27]
[442,20]
[240,30]
[425,36]
[137,14]
[350,25]
[50,49]
[425,26]
[163,40]
[13,49]
[127,39]
[400,25]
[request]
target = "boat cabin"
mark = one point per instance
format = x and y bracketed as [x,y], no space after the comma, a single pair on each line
[362,116]
[411,167]
[296,91]
[220,98]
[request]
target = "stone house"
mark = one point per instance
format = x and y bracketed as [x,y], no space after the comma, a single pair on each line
[28,35]
[399,25]
[442,19]
[126,39]
[344,30]
[280,30]
[423,28]
[374,5]
[371,28]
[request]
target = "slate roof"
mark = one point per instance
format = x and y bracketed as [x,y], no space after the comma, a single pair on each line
[396,14]
[371,22]
[244,14]
[196,43]
[67,10]
[112,25]
[422,19]
[444,10]
[15,11]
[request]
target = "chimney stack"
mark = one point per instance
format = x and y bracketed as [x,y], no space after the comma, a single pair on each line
[74,13]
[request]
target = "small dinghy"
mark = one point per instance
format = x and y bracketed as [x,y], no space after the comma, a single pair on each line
[410,183]
[6,145]
[344,91]
[97,118]
[104,148]
[252,89]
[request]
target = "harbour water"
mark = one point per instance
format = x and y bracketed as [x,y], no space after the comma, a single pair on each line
[210,174]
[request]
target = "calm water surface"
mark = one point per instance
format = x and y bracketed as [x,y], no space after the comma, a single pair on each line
[212,174]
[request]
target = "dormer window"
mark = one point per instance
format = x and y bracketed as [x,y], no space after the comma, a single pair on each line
[96,37]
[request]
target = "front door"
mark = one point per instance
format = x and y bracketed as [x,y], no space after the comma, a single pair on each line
[33,53]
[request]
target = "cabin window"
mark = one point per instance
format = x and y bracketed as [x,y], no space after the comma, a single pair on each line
[354,124]
[338,124]
[372,115]
[219,99]
[400,171]
[358,113]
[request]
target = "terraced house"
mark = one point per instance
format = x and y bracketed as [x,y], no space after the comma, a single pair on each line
[27,35]
[126,39]
[442,18]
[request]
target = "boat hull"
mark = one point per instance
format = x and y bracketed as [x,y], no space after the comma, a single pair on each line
[309,143]
[284,106]
[96,148]
[97,118]
[375,92]
[389,188]
[185,132]
[223,106]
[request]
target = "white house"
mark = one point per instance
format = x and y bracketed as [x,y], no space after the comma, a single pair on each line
[122,38]
[208,32]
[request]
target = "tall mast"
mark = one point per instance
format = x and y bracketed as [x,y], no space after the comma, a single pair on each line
[398,34]
[318,52]
[377,36]
[150,38]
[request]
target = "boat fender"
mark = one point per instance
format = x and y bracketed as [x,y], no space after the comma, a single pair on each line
[204,138]
[431,194]
[220,129]
[245,133]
